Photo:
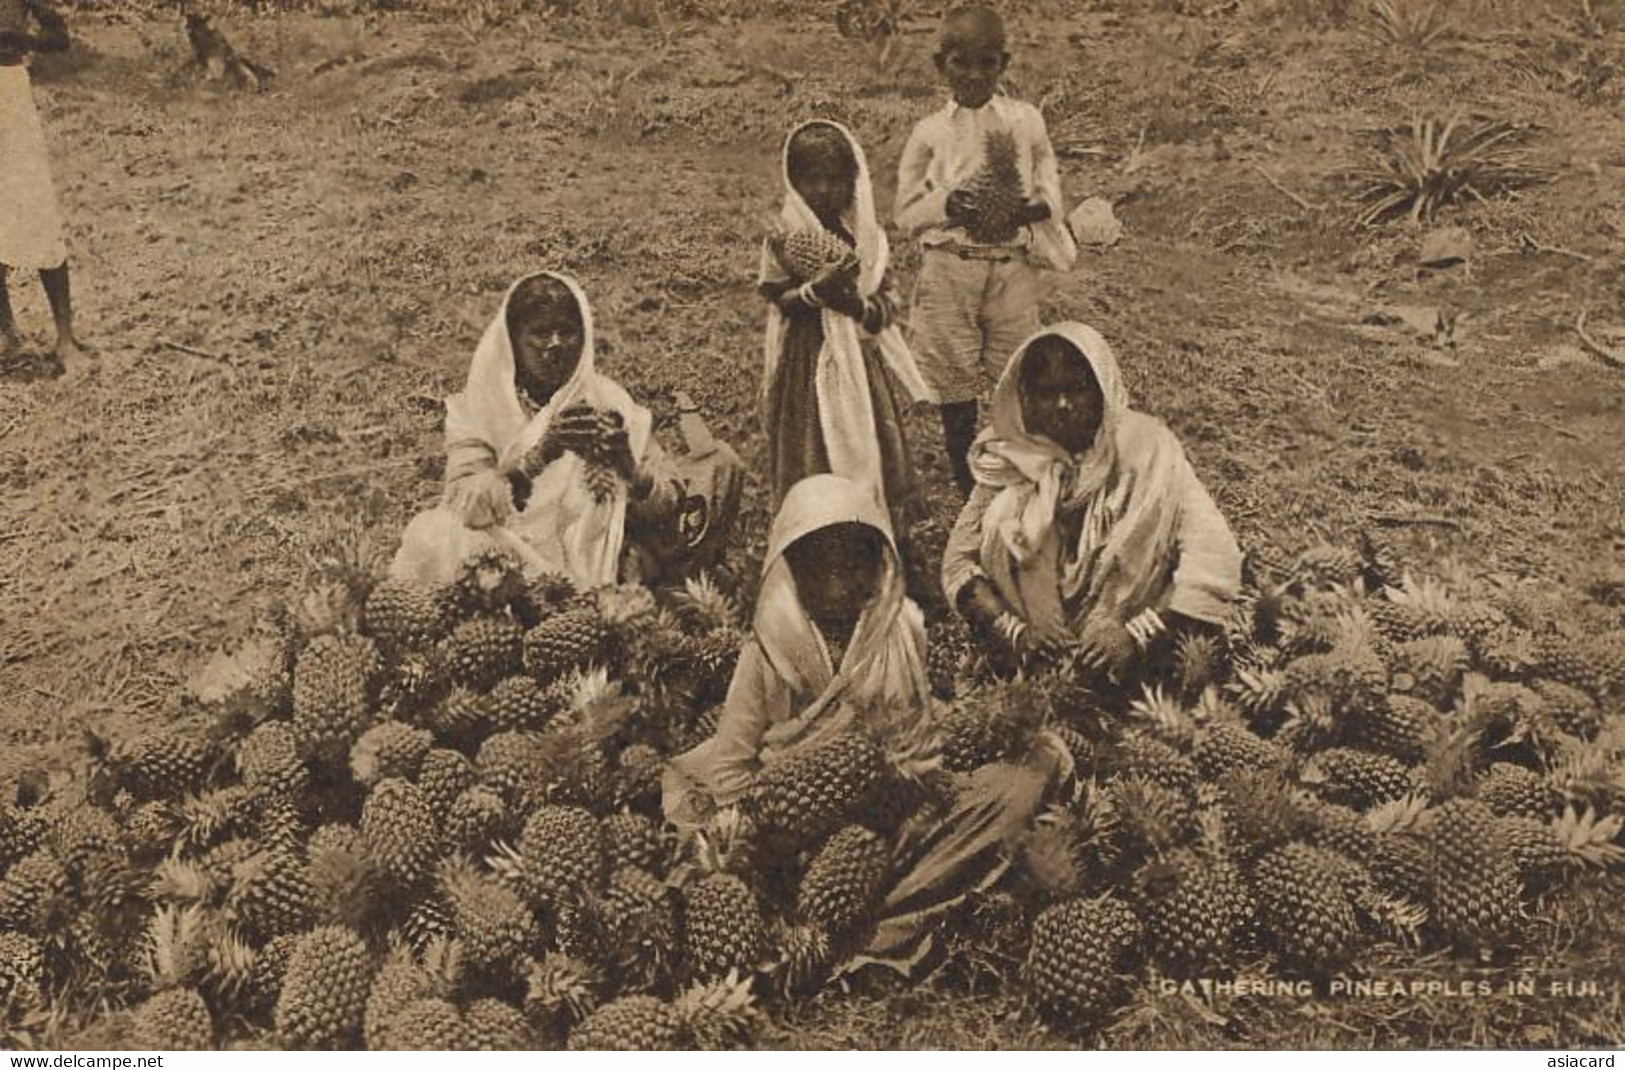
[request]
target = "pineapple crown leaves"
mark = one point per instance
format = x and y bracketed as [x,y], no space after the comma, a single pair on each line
[598,706]
[702,601]
[442,961]
[176,945]
[1401,815]
[1162,713]
[1589,838]
[231,961]
[625,605]
[803,953]
[182,881]
[720,1013]
[562,987]
[723,845]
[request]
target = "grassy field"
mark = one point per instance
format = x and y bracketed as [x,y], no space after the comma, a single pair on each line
[283,286]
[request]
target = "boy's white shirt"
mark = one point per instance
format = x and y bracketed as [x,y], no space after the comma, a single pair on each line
[945,151]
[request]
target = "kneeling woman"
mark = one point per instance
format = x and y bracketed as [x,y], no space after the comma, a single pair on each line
[836,642]
[1088,528]
[554,462]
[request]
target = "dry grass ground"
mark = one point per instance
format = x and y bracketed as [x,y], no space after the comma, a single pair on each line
[283,286]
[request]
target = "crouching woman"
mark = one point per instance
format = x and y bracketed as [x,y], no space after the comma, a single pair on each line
[1088,529]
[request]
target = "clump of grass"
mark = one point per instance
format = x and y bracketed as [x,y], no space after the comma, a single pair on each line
[1408,25]
[1422,165]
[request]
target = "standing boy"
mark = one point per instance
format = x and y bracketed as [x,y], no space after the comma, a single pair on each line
[984,240]
[30,226]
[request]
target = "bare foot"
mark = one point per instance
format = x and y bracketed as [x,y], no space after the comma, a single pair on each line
[76,359]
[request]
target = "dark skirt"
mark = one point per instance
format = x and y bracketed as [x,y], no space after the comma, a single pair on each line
[796,447]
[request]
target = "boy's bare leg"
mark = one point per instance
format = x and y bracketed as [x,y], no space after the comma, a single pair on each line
[73,356]
[10,341]
[958,432]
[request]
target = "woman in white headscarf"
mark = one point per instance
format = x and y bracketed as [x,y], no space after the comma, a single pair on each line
[833,352]
[835,645]
[1088,527]
[549,459]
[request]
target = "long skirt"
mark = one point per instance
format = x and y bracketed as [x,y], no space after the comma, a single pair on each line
[796,437]
[30,225]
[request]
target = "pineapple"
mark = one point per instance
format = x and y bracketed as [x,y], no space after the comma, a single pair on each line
[1075,960]
[1150,817]
[444,775]
[483,650]
[344,882]
[476,818]
[387,750]
[269,758]
[492,922]
[563,856]
[1417,609]
[1400,855]
[948,653]
[1570,709]
[164,764]
[400,981]
[543,596]
[1384,563]
[20,832]
[33,890]
[975,733]
[1568,662]
[844,881]
[560,991]
[333,683]
[509,764]
[175,1019]
[428,1024]
[568,640]
[1304,911]
[1357,778]
[400,831]
[517,702]
[1147,758]
[1227,746]
[428,923]
[1345,831]
[1401,727]
[491,581]
[413,685]
[998,191]
[809,253]
[1350,678]
[635,840]
[495,1025]
[1432,667]
[1193,905]
[640,924]
[324,992]
[22,968]
[723,928]
[1512,790]
[637,780]
[1199,661]
[271,968]
[1543,851]
[1474,881]
[270,894]
[403,616]
[1326,565]
[807,796]
[631,1023]
[459,716]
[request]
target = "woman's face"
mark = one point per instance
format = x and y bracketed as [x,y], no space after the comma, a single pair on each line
[1060,398]
[837,570]
[547,340]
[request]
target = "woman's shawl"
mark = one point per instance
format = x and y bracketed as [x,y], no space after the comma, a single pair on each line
[847,420]
[787,692]
[1150,536]
[562,529]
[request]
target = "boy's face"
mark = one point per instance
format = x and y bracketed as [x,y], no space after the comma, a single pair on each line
[972,71]
[1060,398]
[837,571]
[547,345]
[824,181]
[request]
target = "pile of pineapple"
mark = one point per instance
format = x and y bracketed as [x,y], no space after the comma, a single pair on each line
[431,818]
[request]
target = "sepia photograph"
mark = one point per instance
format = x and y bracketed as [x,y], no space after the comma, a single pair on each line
[719,525]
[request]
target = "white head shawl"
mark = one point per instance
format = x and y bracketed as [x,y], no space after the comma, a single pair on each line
[562,528]
[843,383]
